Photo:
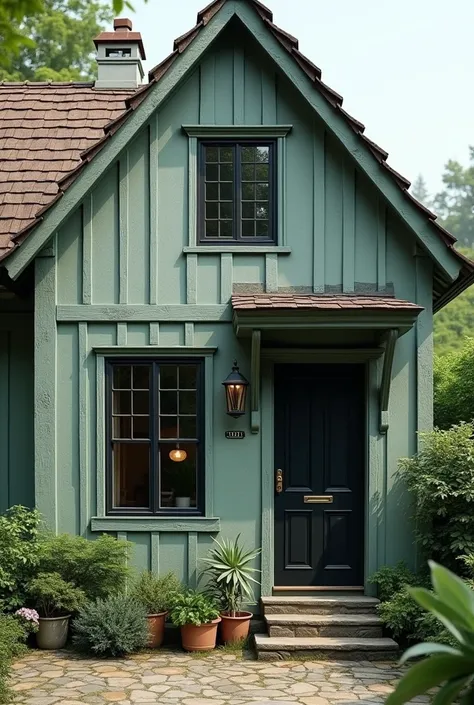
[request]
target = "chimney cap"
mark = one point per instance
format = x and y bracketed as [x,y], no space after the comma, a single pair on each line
[122,23]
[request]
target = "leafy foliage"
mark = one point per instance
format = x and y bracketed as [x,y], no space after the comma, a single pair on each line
[452,603]
[115,626]
[231,575]
[98,567]
[12,644]
[19,534]
[391,579]
[453,384]
[441,480]
[53,596]
[420,191]
[156,593]
[455,203]
[193,607]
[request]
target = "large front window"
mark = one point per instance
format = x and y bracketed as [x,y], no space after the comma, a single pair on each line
[154,409]
[237,192]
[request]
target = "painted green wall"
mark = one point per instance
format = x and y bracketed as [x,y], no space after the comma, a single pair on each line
[120,278]
[16,404]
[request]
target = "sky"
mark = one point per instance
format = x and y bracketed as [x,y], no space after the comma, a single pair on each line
[404,67]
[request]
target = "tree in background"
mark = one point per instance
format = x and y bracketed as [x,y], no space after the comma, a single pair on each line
[455,203]
[456,320]
[62,48]
[420,191]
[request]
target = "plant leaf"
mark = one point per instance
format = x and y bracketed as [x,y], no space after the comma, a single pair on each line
[443,612]
[428,648]
[427,674]
[454,592]
[449,691]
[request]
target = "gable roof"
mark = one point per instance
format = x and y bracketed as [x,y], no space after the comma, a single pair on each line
[19,220]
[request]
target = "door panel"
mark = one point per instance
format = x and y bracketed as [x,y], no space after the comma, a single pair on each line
[319,446]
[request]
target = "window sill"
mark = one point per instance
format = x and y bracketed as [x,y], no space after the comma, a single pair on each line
[173,523]
[237,249]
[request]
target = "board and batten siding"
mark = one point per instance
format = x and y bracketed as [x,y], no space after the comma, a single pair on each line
[120,278]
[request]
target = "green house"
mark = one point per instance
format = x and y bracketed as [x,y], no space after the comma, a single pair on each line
[229,209]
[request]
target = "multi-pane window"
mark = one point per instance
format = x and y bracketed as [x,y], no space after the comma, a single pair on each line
[155,437]
[237,192]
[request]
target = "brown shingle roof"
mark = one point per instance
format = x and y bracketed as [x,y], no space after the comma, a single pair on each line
[243,302]
[62,112]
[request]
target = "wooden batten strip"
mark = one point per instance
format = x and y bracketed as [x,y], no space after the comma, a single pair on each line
[381,246]
[153,196]
[122,333]
[271,273]
[319,210]
[123,176]
[189,334]
[87,212]
[191,279]
[154,333]
[348,229]
[155,552]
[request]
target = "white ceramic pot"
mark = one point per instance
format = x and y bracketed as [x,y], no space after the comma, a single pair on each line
[183,502]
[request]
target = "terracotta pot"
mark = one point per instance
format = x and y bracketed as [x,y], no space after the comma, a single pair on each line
[202,638]
[52,632]
[235,628]
[156,629]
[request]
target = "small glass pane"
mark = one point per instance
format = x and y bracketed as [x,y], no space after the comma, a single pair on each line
[141,403]
[262,192]
[211,154]
[248,172]
[122,427]
[248,228]
[226,192]
[169,427]
[263,154]
[248,154]
[261,171]
[262,228]
[141,377]
[248,210]
[212,210]
[178,480]
[248,192]
[225,210]
[225,229]
[212,192]
[122,377]
[122,403]
[187,376]
[262,210]
[187,427]
[212,172]
[225,154]
[168,402]
[212,228]
[168,377]
[226,172]
[141,426]
[131,475]
[187,402]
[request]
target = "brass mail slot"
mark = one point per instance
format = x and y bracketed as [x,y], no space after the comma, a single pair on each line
[318,499]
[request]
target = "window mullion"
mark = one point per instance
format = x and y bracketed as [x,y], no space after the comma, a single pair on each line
[154,450]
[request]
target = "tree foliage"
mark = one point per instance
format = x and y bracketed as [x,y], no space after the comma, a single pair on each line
[420,191]
[453,385]
[455,202]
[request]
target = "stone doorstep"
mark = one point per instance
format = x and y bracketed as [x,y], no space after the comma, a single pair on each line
[345,648]
[329,625]
[344,604]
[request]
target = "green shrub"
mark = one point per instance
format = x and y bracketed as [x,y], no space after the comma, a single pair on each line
[453,384]
[98,567]
[193,607]
[112,627]
[441,480]
[12,644]
[19,532]
[391,579]
[156,593]
[53,596]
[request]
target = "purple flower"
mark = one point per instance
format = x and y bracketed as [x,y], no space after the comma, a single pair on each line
[28,615]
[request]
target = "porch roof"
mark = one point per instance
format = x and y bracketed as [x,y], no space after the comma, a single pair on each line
[245,302]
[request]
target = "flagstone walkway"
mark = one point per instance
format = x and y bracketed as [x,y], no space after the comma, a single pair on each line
[175,678]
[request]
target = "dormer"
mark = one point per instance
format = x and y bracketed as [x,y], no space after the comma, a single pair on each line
[119,56]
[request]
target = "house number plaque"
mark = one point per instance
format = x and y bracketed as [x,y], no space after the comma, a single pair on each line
[234,435]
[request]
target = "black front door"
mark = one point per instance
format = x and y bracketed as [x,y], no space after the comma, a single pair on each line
[319,458]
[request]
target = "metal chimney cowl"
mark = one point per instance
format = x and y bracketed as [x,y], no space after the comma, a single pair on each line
[119,56]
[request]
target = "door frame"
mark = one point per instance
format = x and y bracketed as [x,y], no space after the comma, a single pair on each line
[375,449]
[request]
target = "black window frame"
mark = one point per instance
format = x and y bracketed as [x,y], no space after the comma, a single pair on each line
[237,238]
[155,441]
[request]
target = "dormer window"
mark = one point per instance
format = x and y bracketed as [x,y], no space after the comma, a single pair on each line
[237,191]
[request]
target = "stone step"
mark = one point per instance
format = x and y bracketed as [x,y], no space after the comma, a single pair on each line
[332,625]
[343,604]
[344,648]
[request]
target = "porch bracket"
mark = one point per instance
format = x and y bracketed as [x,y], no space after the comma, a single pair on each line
[390,340]
[255,382]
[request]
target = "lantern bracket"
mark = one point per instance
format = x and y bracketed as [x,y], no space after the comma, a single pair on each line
[255,382]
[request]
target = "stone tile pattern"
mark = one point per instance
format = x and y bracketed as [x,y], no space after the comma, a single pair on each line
[175,678]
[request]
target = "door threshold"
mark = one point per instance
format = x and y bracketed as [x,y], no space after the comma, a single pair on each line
[318,588]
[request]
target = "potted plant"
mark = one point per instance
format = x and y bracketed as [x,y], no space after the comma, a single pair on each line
[198,616]
[156,594]
[55,599]
[184,480]
[231,583]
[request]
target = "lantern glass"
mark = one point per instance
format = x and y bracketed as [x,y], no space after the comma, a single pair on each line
[236,392]
[177,455]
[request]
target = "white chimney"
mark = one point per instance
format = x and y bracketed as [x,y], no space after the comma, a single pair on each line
[119,56]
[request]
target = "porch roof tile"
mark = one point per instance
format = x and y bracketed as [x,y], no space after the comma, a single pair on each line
[321,301]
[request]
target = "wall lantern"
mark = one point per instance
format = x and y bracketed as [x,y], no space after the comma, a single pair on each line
[177,455]
[235,392]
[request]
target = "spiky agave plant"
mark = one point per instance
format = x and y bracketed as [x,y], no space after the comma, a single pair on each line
[230,572]
[452,668]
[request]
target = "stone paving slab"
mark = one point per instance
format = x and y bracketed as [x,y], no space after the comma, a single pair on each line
[176,678]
